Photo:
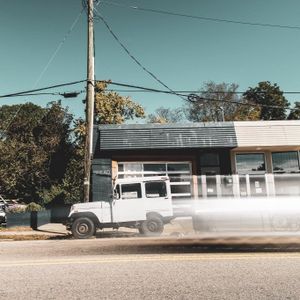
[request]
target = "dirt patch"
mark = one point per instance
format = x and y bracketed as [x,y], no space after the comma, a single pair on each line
[27,237]
[4,229]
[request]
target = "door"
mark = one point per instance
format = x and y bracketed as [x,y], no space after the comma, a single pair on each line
[211,180]
[158,198]
[129,205]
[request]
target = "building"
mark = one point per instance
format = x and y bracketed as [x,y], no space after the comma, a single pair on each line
[237,159]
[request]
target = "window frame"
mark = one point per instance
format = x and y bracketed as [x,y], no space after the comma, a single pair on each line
[252,172]
[286,172]
[121,191]
[142,174]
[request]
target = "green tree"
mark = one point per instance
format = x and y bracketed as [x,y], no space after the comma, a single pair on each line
[34,150]
[271,98]
[111,108]
[295,112]
[164,115]
[219,102]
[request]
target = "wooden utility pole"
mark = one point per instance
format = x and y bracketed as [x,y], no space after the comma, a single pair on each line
[89,102]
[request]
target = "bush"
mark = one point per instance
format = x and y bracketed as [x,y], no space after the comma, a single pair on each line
[32,206]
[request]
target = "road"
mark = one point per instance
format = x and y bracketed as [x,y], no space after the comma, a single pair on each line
[146,269]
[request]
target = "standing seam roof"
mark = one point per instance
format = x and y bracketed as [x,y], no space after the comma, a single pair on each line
[170,136]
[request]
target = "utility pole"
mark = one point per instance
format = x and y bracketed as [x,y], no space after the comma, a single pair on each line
[89,102]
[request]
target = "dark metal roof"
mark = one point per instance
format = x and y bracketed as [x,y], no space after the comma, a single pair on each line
[167,136]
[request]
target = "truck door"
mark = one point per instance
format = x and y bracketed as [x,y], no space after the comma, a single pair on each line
[129,205]
[158,198]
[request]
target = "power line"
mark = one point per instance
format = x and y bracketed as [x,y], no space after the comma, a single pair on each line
[192,98]
[191,91]
[158,11]
[133,57]
[65,94]
[42,89]
[58,48]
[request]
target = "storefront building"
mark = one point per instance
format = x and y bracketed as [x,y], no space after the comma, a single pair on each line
[201,159]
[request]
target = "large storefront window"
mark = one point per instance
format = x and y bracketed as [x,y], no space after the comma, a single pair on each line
[285,162]
[178,172]
[250,163]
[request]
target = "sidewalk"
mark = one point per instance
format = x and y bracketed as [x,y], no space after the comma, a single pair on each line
[177,227]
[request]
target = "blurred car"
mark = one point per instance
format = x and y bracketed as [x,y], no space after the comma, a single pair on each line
[243,216]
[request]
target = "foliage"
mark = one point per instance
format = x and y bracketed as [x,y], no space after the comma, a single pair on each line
[16,209]
[32,206]
[35,149]
[295,112]
[111,108]
[269,95]
[164,115]
[220,102]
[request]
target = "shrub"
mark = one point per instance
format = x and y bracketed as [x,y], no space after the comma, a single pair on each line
[32,206]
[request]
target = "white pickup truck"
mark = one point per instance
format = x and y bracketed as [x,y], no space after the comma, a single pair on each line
[142,203]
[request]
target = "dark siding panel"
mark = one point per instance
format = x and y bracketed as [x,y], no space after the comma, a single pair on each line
[101,180]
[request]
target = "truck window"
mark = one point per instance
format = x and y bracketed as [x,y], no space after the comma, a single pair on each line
[131,191]
[156,189]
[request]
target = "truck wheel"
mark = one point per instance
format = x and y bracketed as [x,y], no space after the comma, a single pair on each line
[152,227]
[83,228]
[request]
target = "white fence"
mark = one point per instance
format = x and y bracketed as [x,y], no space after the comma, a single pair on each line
[245,185]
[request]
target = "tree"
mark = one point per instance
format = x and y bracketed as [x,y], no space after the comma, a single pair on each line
[295,112]
[34,150]
[164,115]
[219,102]
[111,108]
[268,95]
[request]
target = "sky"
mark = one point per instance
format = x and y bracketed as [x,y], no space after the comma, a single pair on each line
[182,52]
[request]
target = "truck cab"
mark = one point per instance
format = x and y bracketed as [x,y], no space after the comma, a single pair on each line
[142,203]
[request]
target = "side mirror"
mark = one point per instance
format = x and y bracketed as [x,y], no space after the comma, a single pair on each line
[116,195]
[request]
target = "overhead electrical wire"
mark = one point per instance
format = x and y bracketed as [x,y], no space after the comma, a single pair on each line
[42,89]
[191,91]
[30,93]
[192,98]
[99,16]
[203,18]
[141,88]
[65,94]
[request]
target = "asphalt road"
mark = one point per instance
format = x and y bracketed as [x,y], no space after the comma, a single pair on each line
[147,269]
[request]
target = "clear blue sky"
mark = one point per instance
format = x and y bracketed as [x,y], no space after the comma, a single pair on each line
[181,52]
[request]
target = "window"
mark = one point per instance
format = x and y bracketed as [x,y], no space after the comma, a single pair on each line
[209,159]
[156,189]
[250,163]
[285,162]
[178,172]
[155,168]
[131,191]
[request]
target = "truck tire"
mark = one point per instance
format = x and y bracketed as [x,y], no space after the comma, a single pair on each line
[83,228]
[153,226]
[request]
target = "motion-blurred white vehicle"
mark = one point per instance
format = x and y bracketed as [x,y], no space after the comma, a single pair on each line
[256,216]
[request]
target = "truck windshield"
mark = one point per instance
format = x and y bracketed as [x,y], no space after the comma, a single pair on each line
[156,189]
